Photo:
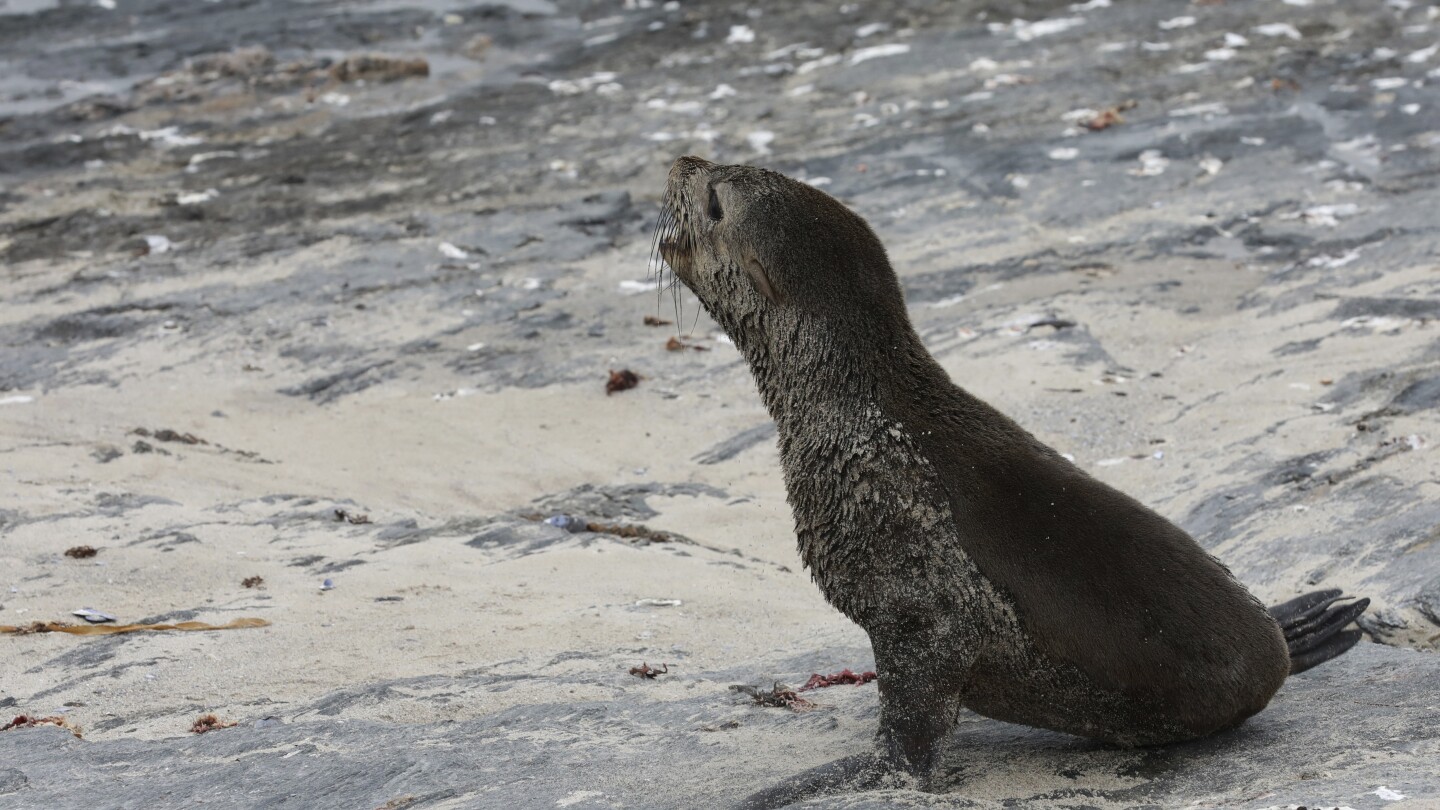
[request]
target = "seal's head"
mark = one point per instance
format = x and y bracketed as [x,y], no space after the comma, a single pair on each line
[763,251]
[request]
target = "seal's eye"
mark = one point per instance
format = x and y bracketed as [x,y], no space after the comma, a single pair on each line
[715,213]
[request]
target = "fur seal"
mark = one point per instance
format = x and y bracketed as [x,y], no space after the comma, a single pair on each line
[990,573]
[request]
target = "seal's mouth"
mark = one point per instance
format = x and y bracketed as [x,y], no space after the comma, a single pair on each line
[673,251]
[673,247]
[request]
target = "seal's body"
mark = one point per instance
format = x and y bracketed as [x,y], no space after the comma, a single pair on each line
[989,572]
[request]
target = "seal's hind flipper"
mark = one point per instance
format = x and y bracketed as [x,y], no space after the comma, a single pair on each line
[1337,644]
[1312,624]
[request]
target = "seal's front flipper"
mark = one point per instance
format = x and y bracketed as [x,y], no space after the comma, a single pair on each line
[859,772]
[1312,625]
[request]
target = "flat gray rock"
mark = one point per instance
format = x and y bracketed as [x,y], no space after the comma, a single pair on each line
[1362,731]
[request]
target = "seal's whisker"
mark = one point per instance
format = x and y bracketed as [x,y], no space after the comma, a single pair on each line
[694,323]
[655,266]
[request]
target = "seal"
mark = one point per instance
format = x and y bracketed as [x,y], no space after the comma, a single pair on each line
[990,573]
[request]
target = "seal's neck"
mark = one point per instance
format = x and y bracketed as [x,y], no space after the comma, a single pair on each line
[814,374]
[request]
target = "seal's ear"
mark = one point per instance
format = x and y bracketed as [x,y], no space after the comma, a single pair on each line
[760,278]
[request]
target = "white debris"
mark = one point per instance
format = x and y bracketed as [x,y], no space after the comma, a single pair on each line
[1112,47]
[800,90]
[1076,116]
[652,602]
[1026,31]
[108,5]
[1176,22]
[740,35]
[1410,109]
[1423,55]
[531,284]
[1387,794]
[760,140]
[1235,41]
[452,252]
[577,796]
[565,168]
[441,117]
[601,39]
[1277,30]
[1155,47]
[818,181]
[170,137]
[878,51]
[722,91]
[488,121]
[984,65]
[1333,261]
[1327,216]
[1019,181]
[1220,54]
[474,347]
[335,99]
[1389,83]
[632,287]
[573,87]
[947,301]
[871,29]
[201,157]
[196,197]
[1211,165]
[440,397]
[17,399]
[1005,80]
[817,64]
[1090,6]
[1064,153]
[1111,462]
[1020,324]
[793,48]
[1301,3]
[1211,108]
[158,244]
[1152,163]
[691,107]
[1194,67]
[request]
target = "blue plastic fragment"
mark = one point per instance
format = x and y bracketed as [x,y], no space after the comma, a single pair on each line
[569,523]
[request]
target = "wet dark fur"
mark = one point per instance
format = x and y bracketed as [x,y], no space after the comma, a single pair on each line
[990,573]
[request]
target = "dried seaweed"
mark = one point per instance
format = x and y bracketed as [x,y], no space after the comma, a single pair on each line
[112,629]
